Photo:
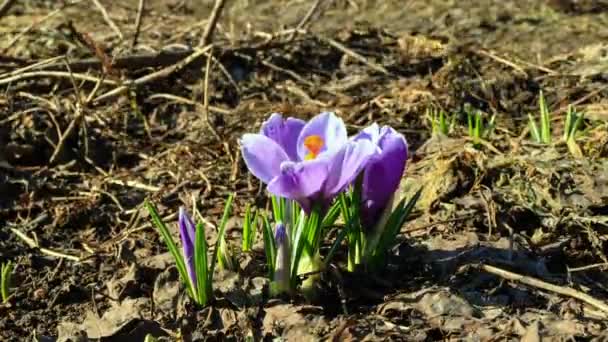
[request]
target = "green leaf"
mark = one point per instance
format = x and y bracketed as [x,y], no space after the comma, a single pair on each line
[201,266]
[332,215]
[534,129]
[545,118]
[5,280]
[172,247]
[248,230]
[220,237]
[393,226]
[269,245]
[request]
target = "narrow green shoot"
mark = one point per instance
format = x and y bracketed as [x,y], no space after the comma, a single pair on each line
[572,124]
[173,249]
[478,129]
[249,229]
[5,280]
[541,134]
[440,122]
[201,266]
[269,246]
[376,254]
[223,253]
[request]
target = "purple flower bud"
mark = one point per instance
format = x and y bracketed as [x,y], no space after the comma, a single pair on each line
[187,232]
[383,172]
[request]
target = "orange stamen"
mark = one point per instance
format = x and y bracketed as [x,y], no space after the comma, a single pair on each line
[314,144]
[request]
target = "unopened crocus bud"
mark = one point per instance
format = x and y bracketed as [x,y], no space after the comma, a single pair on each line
[282,269]
[187,232]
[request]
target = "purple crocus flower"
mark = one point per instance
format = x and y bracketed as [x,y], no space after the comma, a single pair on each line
[326,161]
[187,232]
[383,172]
[284,132]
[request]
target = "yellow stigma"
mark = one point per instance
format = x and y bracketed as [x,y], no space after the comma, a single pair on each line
[314,144]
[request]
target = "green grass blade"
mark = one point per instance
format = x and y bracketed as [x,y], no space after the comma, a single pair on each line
[332,215]
[576,125]
[395,223]
[269,245]
[201,266]
[277,208]
[545,118]
[299,242]
[220,236]
[172,247]
[534,129]
[334,247]
[5,280]
[247,230]
[443,125]
[568,123]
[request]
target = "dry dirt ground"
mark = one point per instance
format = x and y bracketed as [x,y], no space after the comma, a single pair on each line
[508,241]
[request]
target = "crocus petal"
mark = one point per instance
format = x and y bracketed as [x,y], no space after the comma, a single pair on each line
[284,132]
[326,126]
[300,181]
[383,174]
[187,232]
[346,165]
[371,133]
[263,156]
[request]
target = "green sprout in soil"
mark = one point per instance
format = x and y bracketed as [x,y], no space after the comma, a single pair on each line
[478,130]
[441,122]
[369,242]
[249,229]
[572,123]
[5,280]
[571,129]
[192,264]
[542,134]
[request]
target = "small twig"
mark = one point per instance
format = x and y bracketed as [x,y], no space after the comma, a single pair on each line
[601,265]
[94,47]
[162,73]
[73,124]
[140,11]
[179,99]
[503,61]
[33,244]
[134,184]
[354,54]
[210,28]
[107,18]
[39,64]
[562,290]
[302,24]
[36,23]
[57,74]
[291,73]
[6,6]
[206,98]
[581,100]
[130,62]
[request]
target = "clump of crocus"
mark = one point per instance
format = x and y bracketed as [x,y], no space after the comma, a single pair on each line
[381,178]
[307,165]
[192,263]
